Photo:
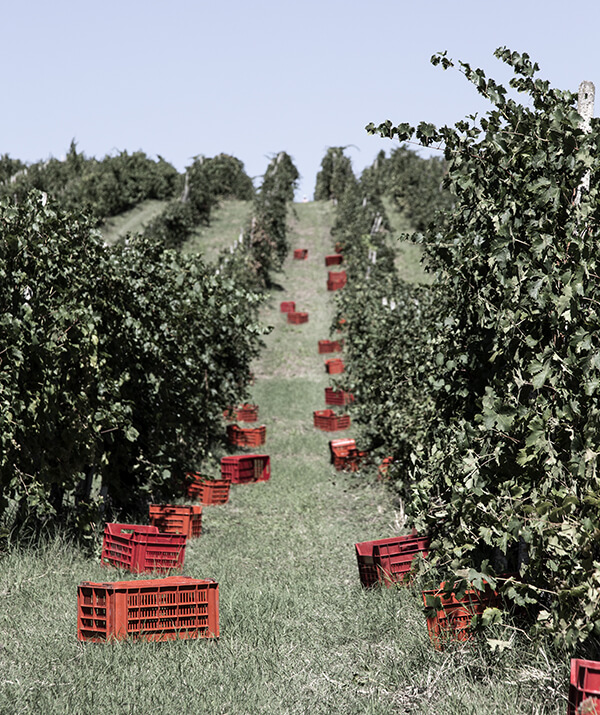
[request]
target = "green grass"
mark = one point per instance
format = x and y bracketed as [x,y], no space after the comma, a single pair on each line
[133,221]
[408,262]
[298,633]
[225,225]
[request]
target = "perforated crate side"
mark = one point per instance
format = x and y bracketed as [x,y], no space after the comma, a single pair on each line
[394,560]
[334,397]
[242,469]
[157,609]
[328,421]
[207,491]
[374,556]
[147,549]
[247,413]
[453,621]
[584,687]
[367,570]
[176,519]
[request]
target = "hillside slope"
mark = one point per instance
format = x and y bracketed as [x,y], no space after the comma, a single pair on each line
[298,632]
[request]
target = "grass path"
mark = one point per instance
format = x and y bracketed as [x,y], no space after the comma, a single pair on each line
[298,633]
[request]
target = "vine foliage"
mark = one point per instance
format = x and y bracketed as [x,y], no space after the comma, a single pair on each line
[505,472]
[116,365]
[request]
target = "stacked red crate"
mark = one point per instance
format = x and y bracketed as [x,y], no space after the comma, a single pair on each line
[142,548]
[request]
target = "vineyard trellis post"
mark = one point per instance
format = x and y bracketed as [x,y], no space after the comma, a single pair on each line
[585,108]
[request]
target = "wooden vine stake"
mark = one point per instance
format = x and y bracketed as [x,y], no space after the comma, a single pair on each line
[585,108]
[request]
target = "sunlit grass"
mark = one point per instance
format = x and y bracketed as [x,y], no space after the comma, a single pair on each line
[298,632]
[227,220]
[133,221]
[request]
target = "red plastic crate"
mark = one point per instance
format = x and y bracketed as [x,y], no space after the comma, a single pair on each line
[242,413]
[328,421]
[333,259]
[246,436]
[584,687]
[208,491]
[338,248]
[142,548]
[330,346]
[338,397]
[384,468]
[345,456]
[300,254]
[245,468]
[336,280]
[453,621]
[297,318]
[287,306]
[176,519]
[246,413]
[388,561]
[176,607]
[334,366]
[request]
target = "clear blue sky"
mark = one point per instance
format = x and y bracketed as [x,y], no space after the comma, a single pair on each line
[251,78]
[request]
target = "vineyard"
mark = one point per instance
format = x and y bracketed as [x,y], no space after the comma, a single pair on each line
[440,393]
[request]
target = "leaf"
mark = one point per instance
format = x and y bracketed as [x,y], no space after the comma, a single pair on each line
[498,645]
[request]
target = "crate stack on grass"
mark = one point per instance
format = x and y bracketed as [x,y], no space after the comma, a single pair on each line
[294,317]
[158,609]
[300,254]
[336,280]
[245,436]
